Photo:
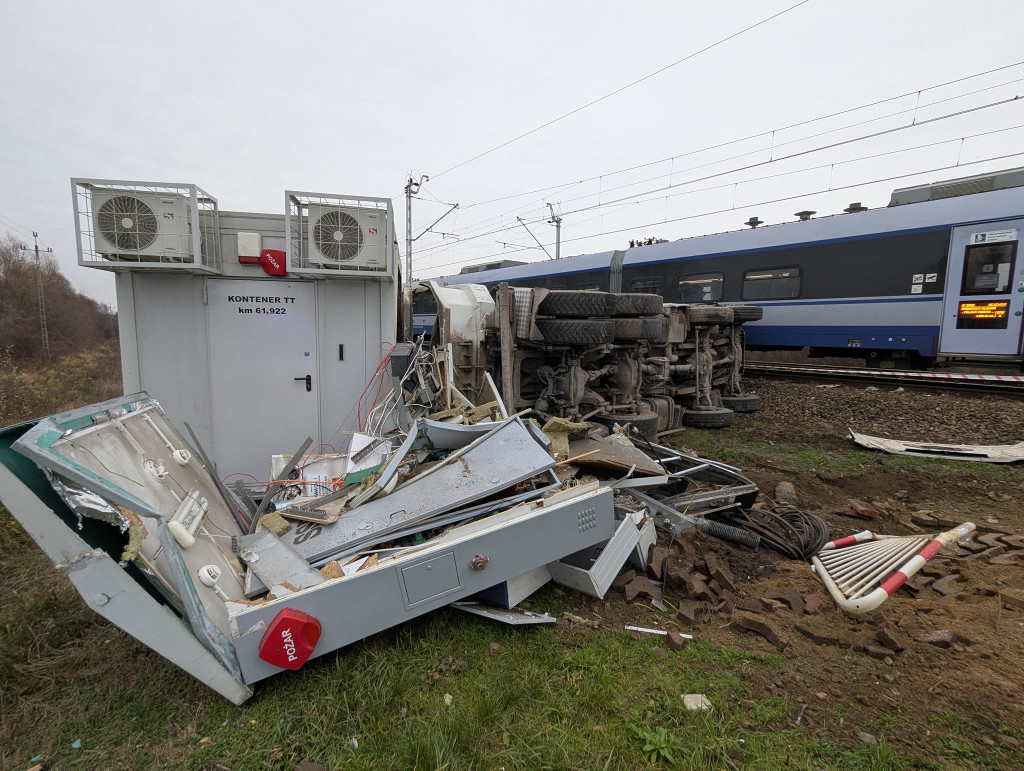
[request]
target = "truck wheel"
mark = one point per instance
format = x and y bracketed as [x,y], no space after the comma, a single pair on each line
[709,314]
[576,331]
[709,417]
[747,312]
[645,422]
[631,304]
[742,402]
[650,328]
[573,304]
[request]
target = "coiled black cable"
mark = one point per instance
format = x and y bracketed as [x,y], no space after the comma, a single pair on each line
[791,531]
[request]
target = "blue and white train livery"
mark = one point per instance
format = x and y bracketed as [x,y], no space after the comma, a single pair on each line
[933,274]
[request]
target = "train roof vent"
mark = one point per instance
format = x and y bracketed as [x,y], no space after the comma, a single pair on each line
[951,188]
[855,207]
[753,222]
[805,215]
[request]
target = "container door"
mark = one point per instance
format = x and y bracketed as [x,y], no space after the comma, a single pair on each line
[983,309]
[263,371]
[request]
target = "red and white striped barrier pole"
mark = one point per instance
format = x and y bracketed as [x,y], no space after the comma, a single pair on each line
[858,570]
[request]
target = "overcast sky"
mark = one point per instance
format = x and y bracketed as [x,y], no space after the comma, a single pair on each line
[249,99]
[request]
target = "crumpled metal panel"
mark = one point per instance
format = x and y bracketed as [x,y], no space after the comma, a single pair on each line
[501,458]
[987,453]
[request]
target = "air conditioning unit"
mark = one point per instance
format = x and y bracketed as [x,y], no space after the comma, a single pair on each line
[133,225]
[347,237]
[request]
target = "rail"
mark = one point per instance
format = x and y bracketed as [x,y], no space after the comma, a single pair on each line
[968,381]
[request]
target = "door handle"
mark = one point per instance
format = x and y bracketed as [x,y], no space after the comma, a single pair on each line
[309,381]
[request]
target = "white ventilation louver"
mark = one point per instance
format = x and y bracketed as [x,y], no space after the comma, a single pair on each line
[344,238]
[141,225]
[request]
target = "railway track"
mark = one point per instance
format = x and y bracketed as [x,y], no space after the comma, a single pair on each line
[960,381]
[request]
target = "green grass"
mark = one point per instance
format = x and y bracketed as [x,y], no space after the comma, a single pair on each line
[746,445]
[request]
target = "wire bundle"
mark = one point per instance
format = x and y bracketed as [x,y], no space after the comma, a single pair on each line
[790,531]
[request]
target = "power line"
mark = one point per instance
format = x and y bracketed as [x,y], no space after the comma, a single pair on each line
[623,88]
[873,135]
[765,202]
[767,132]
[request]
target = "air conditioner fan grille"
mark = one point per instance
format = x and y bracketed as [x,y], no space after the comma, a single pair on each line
[337,235]
[127,223]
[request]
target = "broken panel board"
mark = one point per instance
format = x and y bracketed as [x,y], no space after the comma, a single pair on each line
[450,567]
[988,453]
[593,569]
[502,457]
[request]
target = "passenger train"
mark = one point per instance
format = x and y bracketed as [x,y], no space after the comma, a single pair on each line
[933,275]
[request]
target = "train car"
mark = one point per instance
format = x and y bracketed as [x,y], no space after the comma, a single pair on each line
[933,275]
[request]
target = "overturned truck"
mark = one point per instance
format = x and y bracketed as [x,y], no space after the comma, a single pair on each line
[627,359]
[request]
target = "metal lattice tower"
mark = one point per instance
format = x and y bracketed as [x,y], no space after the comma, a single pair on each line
[44,335]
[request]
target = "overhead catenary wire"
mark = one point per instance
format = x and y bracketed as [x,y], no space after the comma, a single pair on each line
[428,249]
[771,132]
[805,193]
[623,88]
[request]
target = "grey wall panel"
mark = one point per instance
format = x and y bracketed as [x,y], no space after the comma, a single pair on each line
[173,349]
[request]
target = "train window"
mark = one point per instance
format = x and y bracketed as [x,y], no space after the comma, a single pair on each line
[592,285]
[701,288]
[424,303]
[771,284]
[987,268]
[650,285]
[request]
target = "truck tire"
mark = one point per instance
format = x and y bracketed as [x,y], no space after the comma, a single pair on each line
[709,314]
[573,304]
[645,422]
[650,328]
[742,402]
[709,417]
[576,331]
[628,304]
[747,312]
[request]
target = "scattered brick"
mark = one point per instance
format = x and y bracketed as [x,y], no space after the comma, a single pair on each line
[916,584]
[751,606]
[1009,601]
[909,525]
[719,573]
[715,588]
[726,607]
[642,587]
[696,589]
[943,638]
[791,597]
[889,640]
[687,612]
[989,539]
[859,509]
[676,577]
[759,627]
[817,639]
[686,537]
[1010,558]
[619,584]
[771,606]
[944,586]
[874,651]
[988,554]
[675,640]
[656,561]
[812,604]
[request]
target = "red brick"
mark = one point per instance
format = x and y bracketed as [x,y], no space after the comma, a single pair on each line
[619,584]
[817,639]
[656,561]
[687,612]
[675,640]
[791,597]
[759,627]
[812,604]
[642,587]
[751,606]
[889,640]
[944,586]
[943,638]
[719,573]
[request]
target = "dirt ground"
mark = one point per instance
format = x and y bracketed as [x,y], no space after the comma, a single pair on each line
[958,706]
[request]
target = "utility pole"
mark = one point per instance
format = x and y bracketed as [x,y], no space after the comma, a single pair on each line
[556,220]
[410,188]
[44,335]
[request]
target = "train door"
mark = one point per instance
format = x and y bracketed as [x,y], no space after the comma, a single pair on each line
[983,307]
